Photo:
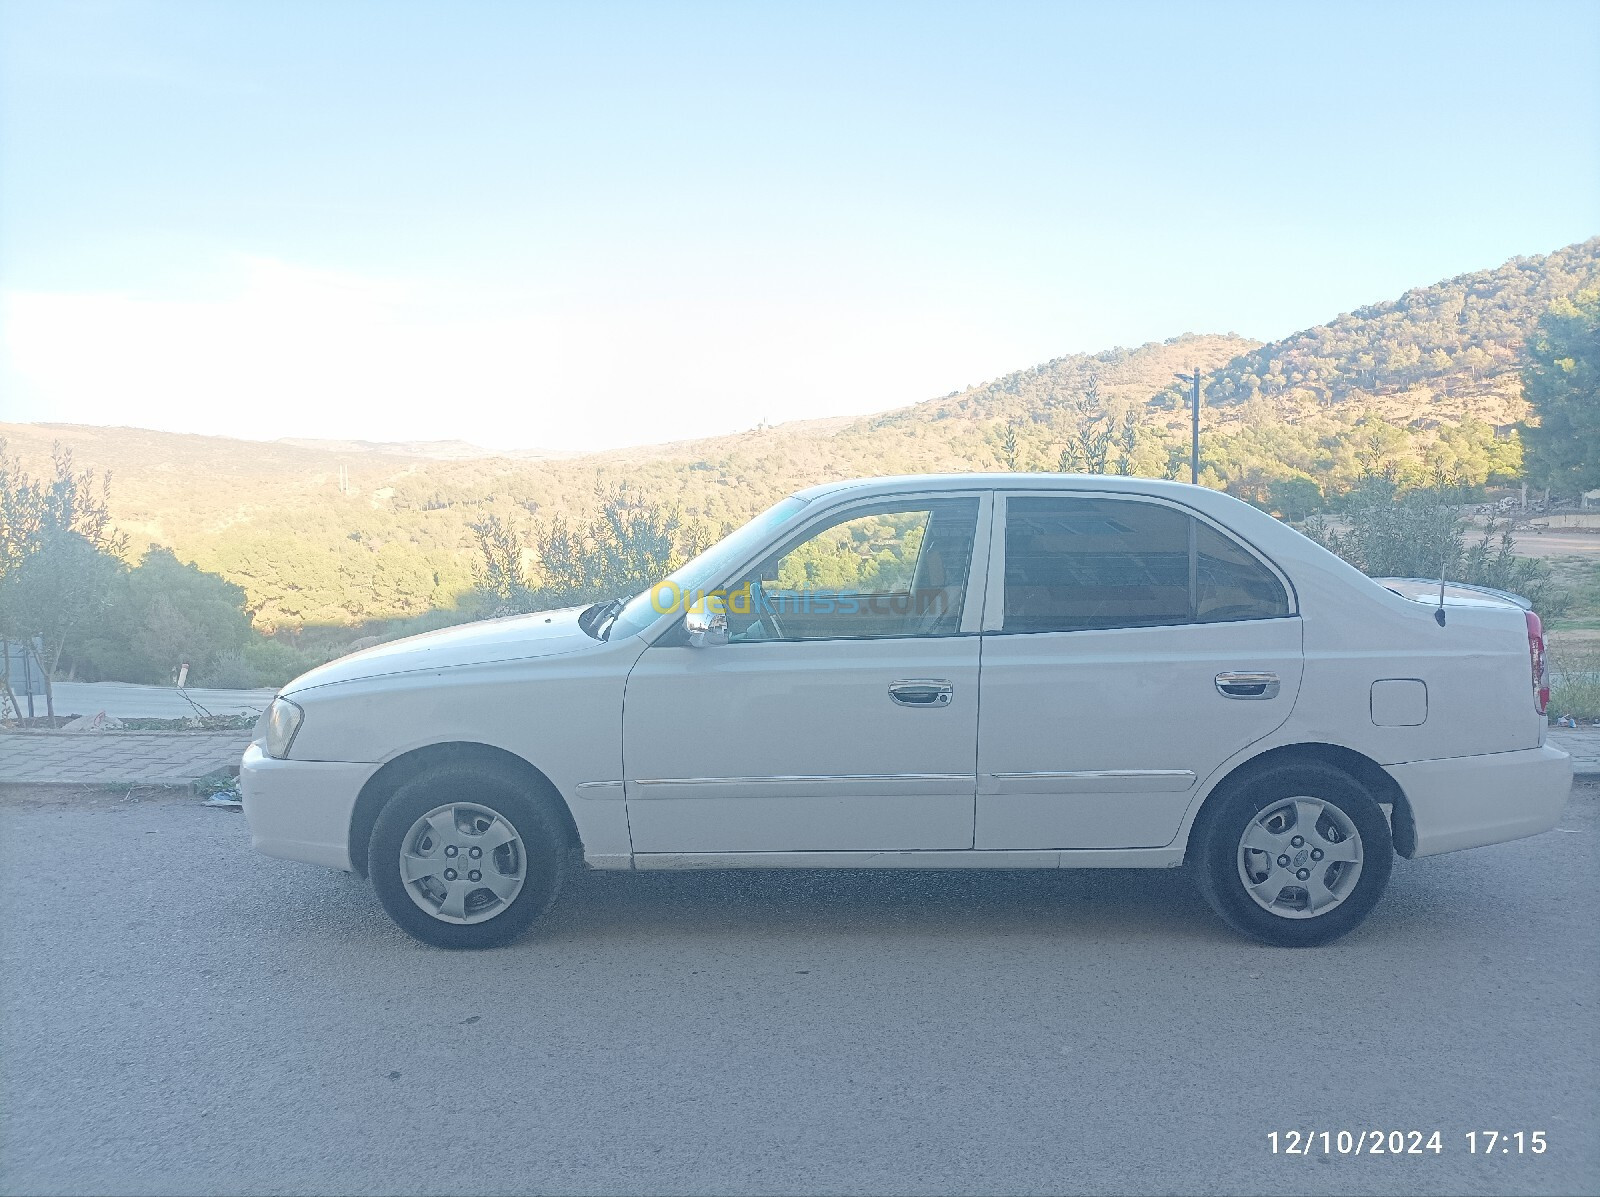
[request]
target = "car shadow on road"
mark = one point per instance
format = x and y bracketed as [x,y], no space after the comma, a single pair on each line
[1428,900]
[1091,904]
[1088,905]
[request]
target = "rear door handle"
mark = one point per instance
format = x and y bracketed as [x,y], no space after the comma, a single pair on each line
[922,692]
[1247,685]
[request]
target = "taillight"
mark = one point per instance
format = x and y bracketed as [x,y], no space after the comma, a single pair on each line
[1541,672]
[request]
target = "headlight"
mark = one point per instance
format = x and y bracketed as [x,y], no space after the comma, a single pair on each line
[278,727]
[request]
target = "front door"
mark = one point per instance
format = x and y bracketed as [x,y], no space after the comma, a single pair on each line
[1132,649]
[842,714]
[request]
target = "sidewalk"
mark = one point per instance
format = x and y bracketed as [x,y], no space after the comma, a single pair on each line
[117,758]
[1583,744]
[177,758]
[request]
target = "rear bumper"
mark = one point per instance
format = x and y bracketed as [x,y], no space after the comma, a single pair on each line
[1467,801]
[300,810]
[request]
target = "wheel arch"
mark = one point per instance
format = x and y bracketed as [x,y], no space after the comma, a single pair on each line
[380,787]
[1365,771]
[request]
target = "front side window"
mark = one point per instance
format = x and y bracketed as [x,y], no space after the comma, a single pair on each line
[882,571]
[703,570]
[1077,563]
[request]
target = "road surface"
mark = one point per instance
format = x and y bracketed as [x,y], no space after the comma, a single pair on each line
[127,701]
[180,1016]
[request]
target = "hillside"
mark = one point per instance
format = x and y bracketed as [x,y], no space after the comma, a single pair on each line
[1417,383]
[1448,351]
[432,450]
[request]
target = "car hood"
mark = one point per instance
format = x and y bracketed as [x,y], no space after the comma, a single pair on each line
[514,638]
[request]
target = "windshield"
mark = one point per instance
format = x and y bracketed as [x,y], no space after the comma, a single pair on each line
[708,569]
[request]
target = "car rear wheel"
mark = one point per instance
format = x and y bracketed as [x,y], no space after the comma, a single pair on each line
[464,856]
[1295,856]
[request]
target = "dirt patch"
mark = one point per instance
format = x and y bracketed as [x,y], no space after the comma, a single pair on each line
[1578,641]
[37,723]
[1557,544]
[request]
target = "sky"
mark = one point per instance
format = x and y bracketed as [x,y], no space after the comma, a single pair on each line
[577,226]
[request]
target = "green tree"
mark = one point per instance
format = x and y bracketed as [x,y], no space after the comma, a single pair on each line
[167,613]
[1293,499]
[1010,449]
[59,562]
[626,545]
[500,573]
[1561,381]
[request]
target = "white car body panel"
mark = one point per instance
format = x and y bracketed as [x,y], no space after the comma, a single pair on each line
[1040,761]
[516,638]
[1463,803]
[574,740]
[300,810]
[1099,739]
[791,747]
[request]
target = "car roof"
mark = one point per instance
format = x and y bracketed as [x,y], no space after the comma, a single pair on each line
[901,483]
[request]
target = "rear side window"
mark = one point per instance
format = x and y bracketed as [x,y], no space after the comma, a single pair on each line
[1094,563]
[1074,564]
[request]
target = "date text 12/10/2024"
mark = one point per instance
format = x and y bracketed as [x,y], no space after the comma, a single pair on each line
[1407,1142]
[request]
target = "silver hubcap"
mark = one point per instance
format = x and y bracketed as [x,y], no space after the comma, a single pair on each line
[463,863]
[1300,858]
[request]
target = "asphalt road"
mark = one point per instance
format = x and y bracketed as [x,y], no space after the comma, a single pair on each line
[127,701]
[180,1016]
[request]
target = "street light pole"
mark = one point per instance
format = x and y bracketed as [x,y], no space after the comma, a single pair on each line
[1194,437]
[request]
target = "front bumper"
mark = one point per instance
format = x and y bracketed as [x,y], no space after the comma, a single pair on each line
[1467,801]
[300,810]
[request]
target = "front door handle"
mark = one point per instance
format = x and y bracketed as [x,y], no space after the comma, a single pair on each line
[1247,685]
[922,692]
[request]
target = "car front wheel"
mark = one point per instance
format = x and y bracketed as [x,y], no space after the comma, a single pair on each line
[463,856]
[1295,856]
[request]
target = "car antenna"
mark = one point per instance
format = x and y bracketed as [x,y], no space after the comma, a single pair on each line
[1438,616]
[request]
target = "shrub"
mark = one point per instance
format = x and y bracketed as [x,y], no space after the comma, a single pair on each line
[229,670]
[1575,682]
[274,662]
[1420,532]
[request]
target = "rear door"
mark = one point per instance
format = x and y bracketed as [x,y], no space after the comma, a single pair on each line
[1129,648]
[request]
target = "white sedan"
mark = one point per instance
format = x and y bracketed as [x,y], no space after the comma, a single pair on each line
[976,671]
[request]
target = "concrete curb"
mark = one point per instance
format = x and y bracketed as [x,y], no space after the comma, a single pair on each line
[110,787]
[89,737]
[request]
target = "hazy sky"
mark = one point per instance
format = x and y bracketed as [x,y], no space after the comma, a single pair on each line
[587,224]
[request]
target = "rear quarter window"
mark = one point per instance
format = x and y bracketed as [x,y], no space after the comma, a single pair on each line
[1231,582]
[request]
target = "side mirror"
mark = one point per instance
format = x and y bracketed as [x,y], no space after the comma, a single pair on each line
[706,622]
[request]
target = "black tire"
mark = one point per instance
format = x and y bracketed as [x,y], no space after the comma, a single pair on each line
[1216,852]
[543,841]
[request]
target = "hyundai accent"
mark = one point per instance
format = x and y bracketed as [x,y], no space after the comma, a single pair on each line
[938,672]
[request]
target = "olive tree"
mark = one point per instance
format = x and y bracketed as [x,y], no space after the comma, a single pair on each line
[60,560]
